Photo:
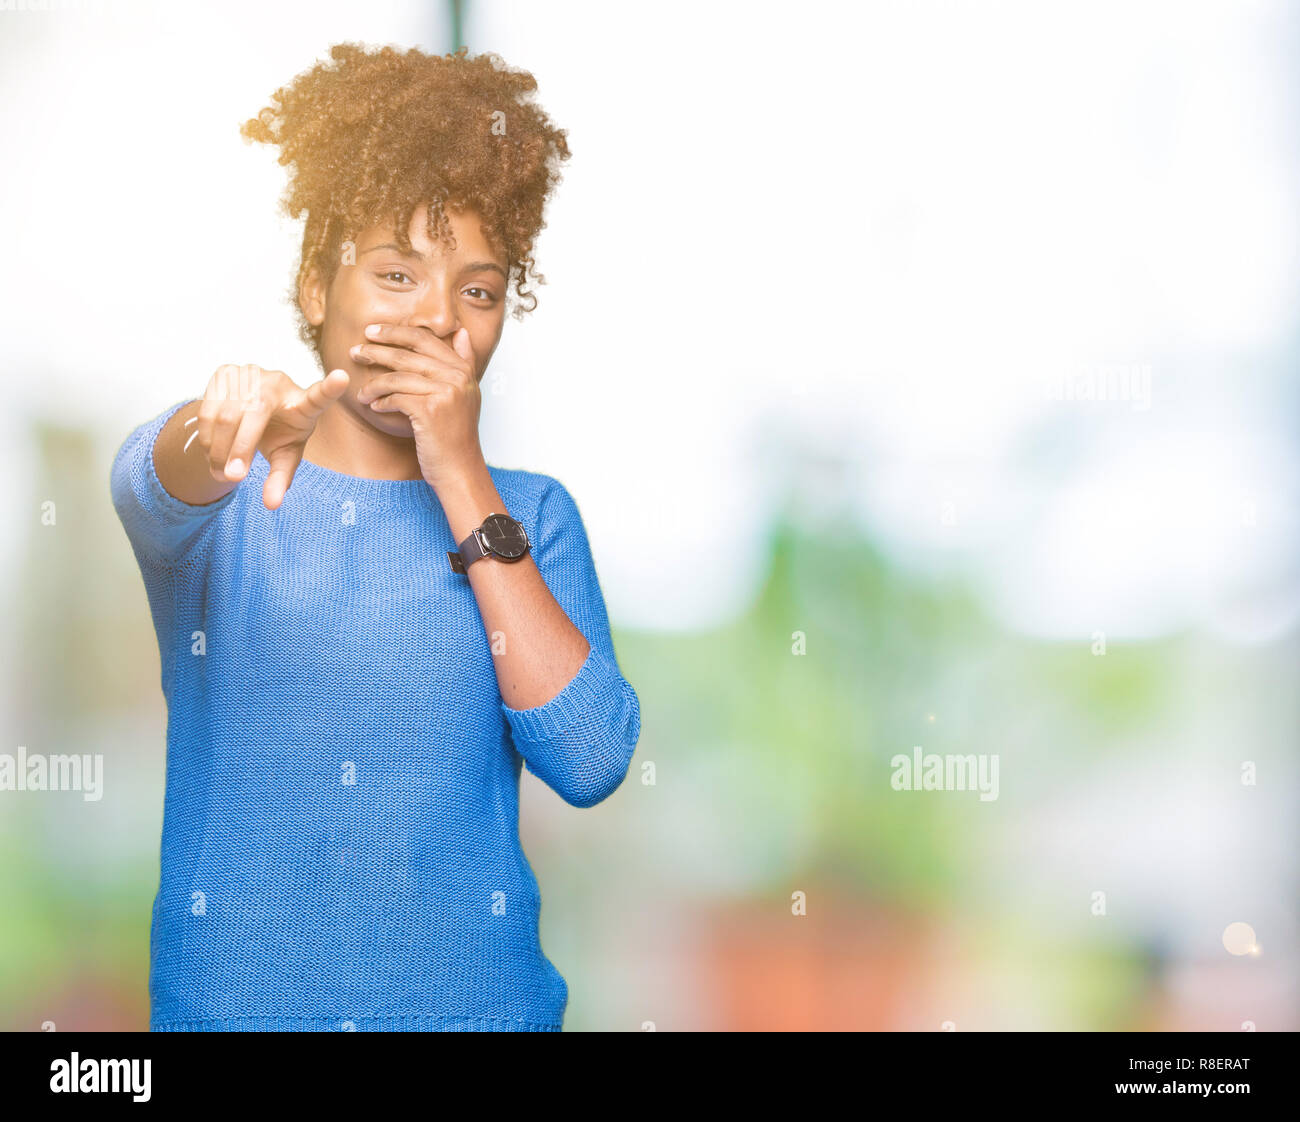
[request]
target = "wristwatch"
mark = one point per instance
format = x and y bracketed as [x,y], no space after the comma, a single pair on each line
[498,535]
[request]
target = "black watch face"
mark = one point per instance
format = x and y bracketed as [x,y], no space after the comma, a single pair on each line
[504,536]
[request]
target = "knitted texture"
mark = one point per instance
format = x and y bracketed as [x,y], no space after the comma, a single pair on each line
[340,842]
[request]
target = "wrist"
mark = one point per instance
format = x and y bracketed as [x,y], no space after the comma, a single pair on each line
[462,471]
[467,499]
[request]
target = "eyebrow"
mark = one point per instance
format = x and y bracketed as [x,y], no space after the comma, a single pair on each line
[472,267]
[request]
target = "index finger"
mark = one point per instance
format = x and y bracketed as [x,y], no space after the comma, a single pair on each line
[422,340]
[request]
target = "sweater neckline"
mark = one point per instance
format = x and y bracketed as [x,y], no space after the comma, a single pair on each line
[403,494]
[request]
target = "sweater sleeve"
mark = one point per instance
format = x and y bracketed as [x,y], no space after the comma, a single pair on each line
[580,743]
[161,528]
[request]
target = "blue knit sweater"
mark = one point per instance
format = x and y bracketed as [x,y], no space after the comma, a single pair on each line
[340,841]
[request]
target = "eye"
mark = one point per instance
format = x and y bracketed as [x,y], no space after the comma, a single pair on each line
[394,273]
[486,294]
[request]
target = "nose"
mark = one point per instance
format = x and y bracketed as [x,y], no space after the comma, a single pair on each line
[436,310]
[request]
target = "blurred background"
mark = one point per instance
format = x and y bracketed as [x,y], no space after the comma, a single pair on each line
[926,375]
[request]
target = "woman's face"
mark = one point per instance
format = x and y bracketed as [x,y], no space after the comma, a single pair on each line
[428,287]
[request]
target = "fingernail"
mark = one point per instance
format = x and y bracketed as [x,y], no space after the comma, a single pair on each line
[373,329]
[235,467]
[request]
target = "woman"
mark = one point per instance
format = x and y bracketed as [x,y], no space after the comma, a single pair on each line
[365,630]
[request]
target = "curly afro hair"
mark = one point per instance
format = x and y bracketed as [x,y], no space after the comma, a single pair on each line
[372,134]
